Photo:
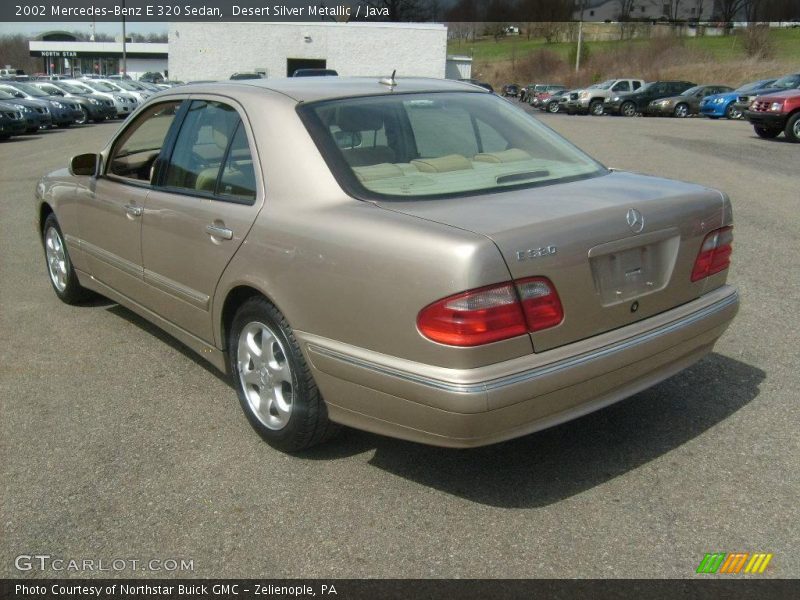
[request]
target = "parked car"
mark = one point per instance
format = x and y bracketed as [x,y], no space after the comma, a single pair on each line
[774,113]
[526,91]
[12,121]
[788,82]
[591,100]
[132,88]
[385,203]
[541,90]
[723,105]
[35,112]
[124,103]
[684,104]
[629,105]
[63,113]
[315,73]
[92,107]
[152,77]
[511,90]
[553,102]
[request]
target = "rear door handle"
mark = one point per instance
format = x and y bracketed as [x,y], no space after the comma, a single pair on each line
[219,232]
[134,211]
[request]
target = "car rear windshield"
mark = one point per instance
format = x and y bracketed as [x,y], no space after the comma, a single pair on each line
[439,145]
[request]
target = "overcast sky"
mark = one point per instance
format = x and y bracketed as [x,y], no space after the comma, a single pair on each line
[112,29]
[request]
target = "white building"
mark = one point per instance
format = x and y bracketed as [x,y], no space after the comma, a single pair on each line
[682,10]
[63,54]
[202,51]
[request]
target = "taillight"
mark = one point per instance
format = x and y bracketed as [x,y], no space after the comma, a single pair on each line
[540,303]
[492,313]
[715,254]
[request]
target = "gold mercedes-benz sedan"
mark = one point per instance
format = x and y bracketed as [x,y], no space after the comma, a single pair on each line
[417,258]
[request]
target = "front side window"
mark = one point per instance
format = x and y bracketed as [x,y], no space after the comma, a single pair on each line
[135,151]
[622,86]
[439,145]
[211,154]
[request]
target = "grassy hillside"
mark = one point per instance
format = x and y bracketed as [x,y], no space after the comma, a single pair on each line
[700,59]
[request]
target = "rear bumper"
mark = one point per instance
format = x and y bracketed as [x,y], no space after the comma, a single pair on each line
[475,407]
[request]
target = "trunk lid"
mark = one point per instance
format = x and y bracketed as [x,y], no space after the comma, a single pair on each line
[608,272]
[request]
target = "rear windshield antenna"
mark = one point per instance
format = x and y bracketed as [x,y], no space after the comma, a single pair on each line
[390,81]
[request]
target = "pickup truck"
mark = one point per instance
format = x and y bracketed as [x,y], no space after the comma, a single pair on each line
[772,113]
[590,100]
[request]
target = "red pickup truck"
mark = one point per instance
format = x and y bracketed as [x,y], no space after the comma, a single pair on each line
[773,113]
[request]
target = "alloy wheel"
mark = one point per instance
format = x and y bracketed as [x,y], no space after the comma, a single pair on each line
[681,111]
[629,109]
[56,259]
[265,375]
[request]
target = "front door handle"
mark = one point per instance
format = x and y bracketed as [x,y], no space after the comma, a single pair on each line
[133,211]
[219,232]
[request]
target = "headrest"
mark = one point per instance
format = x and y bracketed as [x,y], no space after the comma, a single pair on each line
[357,118]
[443,164]
[375,172]
[506,156]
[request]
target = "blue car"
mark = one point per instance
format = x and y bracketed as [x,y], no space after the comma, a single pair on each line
[722,105]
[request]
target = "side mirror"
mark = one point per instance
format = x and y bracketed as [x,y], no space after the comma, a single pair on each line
[84,164]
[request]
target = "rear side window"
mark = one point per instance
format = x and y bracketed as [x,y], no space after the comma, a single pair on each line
[438,145]
[211,154]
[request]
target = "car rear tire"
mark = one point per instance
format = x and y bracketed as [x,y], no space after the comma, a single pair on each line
[273,381]
[628,109]
[84,118]
[792,129]
[681,111]
[766,133]
[731,112]
[59,266]
[596,108]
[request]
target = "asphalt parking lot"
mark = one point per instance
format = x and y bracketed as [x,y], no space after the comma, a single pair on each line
[117,443]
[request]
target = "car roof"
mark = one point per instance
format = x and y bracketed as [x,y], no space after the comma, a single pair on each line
[310,89]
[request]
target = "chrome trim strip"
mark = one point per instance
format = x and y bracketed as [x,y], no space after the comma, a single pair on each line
[112,259]
[536,372]
[173,288]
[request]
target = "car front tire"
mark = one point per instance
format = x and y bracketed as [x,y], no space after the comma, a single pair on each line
[59,266]
[553,107]
[792,129]
[681,111]
[731,112]
[764,132]
[628,109]
[596,108]
[273,381]
[84,118]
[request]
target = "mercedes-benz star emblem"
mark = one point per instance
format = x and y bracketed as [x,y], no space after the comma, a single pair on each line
[635,220]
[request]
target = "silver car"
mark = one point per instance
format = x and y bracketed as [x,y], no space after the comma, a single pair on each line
[416,258]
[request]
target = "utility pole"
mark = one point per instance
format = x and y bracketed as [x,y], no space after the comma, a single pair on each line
[582,4]
[124,44]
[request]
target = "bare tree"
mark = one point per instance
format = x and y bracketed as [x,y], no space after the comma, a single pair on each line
[626,9]
[671,8]
[728,10]
[14,51]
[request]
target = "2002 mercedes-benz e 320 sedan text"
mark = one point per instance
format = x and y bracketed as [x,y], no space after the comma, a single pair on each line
[416,258]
